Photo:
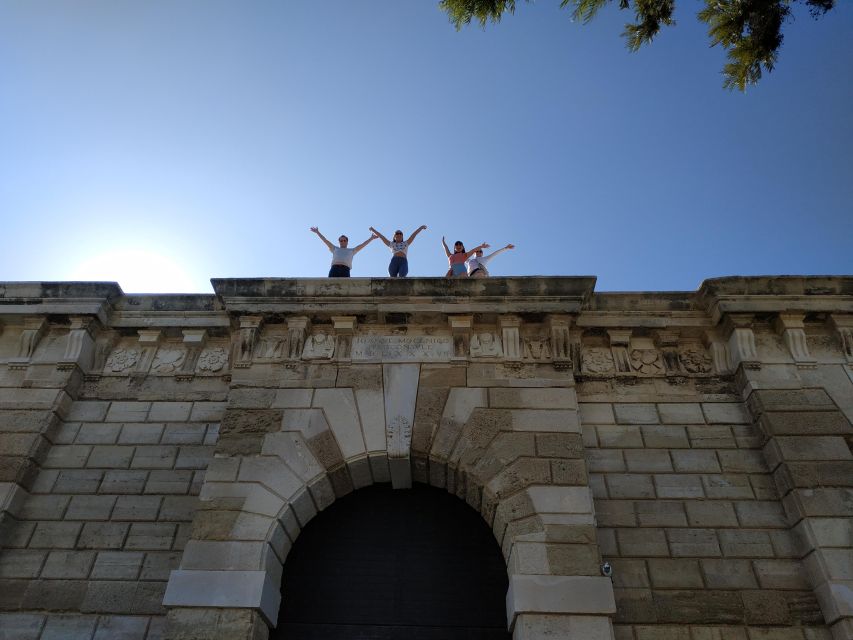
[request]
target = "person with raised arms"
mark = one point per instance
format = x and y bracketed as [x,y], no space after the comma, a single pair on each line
[456,260]
[399,265]
[342,255]
[477,265]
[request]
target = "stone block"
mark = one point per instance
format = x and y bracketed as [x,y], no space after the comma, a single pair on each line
[727,486]
[636,413]
[341,412]
[98,433]
[291,448]
[728,574]
[21,626]
[55,535]
[66,433]
[216,624]
[123,482]
[698,607]
[805,423]
[178,508]
[550,499]
[813,448]
[242,430]
[194,457]
[293,398]
[547,398]
[766,607]
[102,535]
[780,574]
[137,508]
[207,411]
[62,456]
[660,513]
[629,573]
[40,507]
[648,460]
[90,508]
[634,605]
[761,514]
[711,514]
[567,627]
[542,420]
[272,473]
[20,563]
[247,398]
[711,437]
[154,457]
[121,628]
[604,460]
[681,413]
[630,485]
[666,573]
[109,596]
[675,485]
[69,627]
[87,411]
[742,461]
[224,589]
[141,433]
[371,410]
[169,482]
[147,536]
[693,543]
[110,457]
[158,565]
[692,461]
[169,411]
[549,445]
[745,544]
[63,595]
[665,437]
[78,481]
[660,632]
[596,413]
[619,437]
[68,565]
[223,469]
[12,593]
[184,433]
[117,565]
[559,594]
[128,412]
[643,543]
[726,413]
[615,513]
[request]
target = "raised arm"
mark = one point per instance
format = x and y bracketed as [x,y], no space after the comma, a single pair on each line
[494,253]
[323,238]
[417,231]
[364,244]
[381,237]
[470,253]
[444,243]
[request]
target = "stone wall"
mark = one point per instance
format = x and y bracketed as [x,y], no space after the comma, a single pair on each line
[160,454]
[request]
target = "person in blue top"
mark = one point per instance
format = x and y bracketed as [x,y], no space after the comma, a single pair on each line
[399,265]
[342,255]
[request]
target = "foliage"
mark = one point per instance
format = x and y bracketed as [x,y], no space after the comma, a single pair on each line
[749,30]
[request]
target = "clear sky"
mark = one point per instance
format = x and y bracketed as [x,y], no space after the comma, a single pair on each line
[160,143]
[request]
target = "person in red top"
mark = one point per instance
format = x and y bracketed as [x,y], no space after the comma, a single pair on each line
[459,256]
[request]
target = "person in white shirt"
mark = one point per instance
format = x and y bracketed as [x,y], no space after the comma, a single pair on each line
[477,264]
[399,265]
[342,255]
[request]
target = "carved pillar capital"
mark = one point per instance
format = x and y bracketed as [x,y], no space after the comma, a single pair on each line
[791,327]
[297,331]
[741,339]
[149,340]
[716,344]
[843,324]
[32,332]
[667,342]
[561,344]
[511,337]
[461,328]
[247,337]
[620,340]
[80,343]
[194,340]
[344,328]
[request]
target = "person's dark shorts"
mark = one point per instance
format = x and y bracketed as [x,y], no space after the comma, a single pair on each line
[339,271]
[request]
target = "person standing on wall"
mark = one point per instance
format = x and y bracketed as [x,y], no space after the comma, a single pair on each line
[342,255]
[477,265]
[456,260]
[399,265]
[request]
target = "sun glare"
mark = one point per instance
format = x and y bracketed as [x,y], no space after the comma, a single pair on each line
[137,272]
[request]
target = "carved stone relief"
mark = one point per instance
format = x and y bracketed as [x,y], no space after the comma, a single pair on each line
[319,346]
[213,359]
[647,361]
[537,348]
[597,360]
[168,360]
[122,359]
[271,347]
[695,359]
[485,345]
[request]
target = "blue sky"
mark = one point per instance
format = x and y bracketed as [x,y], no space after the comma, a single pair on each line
[165,142]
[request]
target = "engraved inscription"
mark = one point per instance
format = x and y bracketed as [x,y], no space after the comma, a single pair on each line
[402,348]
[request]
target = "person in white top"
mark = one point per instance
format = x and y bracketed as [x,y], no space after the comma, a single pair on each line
[477,264]
[399,265]
[342,255]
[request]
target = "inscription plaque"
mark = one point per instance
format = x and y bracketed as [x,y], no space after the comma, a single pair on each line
[402,348]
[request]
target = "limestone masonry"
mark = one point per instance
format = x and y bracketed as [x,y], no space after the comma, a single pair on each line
[159,454]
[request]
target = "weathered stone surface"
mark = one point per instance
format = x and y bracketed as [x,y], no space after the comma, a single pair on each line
[242,430]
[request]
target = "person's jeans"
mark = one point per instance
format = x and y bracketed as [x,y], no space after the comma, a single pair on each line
[399,267]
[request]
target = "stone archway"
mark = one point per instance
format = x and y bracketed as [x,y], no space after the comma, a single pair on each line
[418,564]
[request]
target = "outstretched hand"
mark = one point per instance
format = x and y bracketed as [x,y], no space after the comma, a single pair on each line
[510,246]
[315,230]
[422,227]
[485,245]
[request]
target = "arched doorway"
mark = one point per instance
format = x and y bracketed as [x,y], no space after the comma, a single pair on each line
[384,564]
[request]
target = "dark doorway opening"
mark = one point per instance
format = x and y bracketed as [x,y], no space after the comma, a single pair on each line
[381,564]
